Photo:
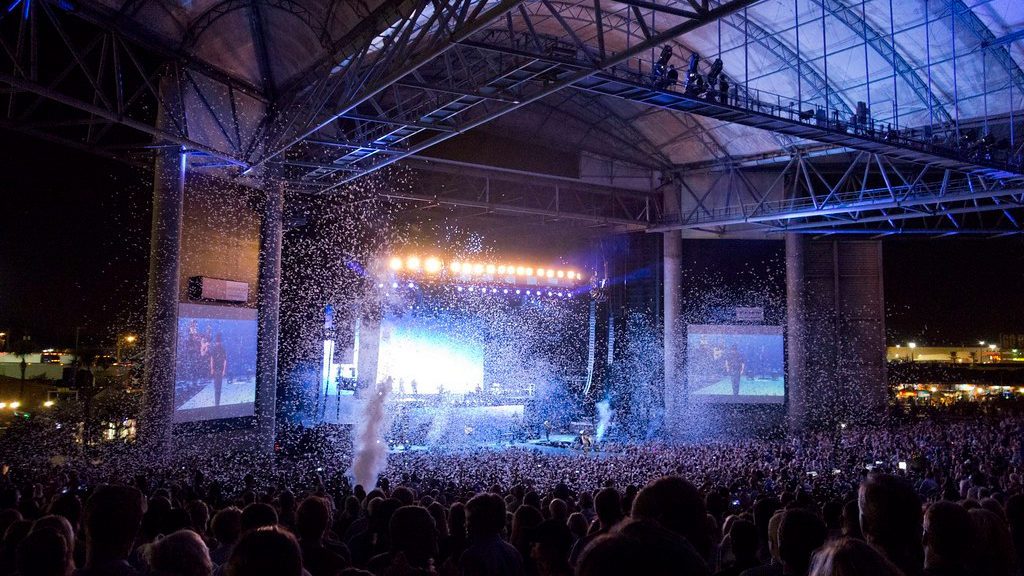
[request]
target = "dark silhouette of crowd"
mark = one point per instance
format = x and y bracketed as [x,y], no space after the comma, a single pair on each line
[935,499]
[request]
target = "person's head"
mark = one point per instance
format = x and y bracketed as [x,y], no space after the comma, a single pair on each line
[577,524]
[485,515]
[63,527]
[44,552]
[890,519]
[524,523]
[404,495]
[850,520]
[947,535]
[551,545]
[181,553]
[608,506]
[258,515]
[199,515]
[743,536]
[312,518]
[676,504]
[266,551]
[69,506]
[851,557]
[113,516]
[800,534]
[227,525]
[994,551]
[413,533]
[558,510]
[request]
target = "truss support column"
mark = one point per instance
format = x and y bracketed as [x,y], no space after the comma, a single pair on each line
[795,329]
[672,248]
[164,264]
[268,305]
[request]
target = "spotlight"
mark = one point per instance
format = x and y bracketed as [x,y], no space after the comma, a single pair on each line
[3,405]
[494,290]
[48,403]
[572,274]
[411,285]
[561,273]
[517,291]
[15,405]
[472,289]
[478,268]
[490,268]
[460,288]
[396,263]
[432,265]
[394,284]
[549,293]
[456,267]
[501,269]
[520,270]
[527,292]
[540,271]
[510,269]
[529,271]
[550,274]
[505,291]
[412,263]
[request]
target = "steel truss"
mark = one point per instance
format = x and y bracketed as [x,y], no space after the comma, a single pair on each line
[504,191]
[393,107]
[66,79]
[868,194]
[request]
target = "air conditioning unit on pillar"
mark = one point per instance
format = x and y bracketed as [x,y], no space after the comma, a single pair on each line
[203,288]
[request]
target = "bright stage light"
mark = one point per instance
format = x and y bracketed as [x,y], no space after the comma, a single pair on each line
[15,405]
[394,284]
[510,269]
[456,267]
[550,274]
[517,292]
[432,265]
[490,268]
[501,269]
[478,268]
[412,263]
[396,263]
[540,271]
[520,270]
[529,271]
[561,273]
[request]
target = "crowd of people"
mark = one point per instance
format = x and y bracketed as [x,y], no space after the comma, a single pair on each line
[928,498]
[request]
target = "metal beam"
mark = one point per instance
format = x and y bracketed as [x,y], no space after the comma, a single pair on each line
[621,223]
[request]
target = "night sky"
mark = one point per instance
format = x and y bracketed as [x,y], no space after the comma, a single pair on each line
[74,233]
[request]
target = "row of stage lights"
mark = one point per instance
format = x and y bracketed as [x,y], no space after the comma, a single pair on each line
[506,291]
[434,265]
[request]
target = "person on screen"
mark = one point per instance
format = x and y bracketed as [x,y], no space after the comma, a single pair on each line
[193,354]
[734,367]
[218,366]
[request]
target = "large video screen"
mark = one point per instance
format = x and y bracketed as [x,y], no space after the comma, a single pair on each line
[735,364]
[425,354]
[215,369]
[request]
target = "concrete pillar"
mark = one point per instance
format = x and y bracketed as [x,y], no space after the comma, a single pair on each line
[672,242]
[795,329]
[164,261]
[268,301]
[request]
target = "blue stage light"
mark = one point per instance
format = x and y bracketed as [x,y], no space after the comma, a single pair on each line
[517,291]
[394,284]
